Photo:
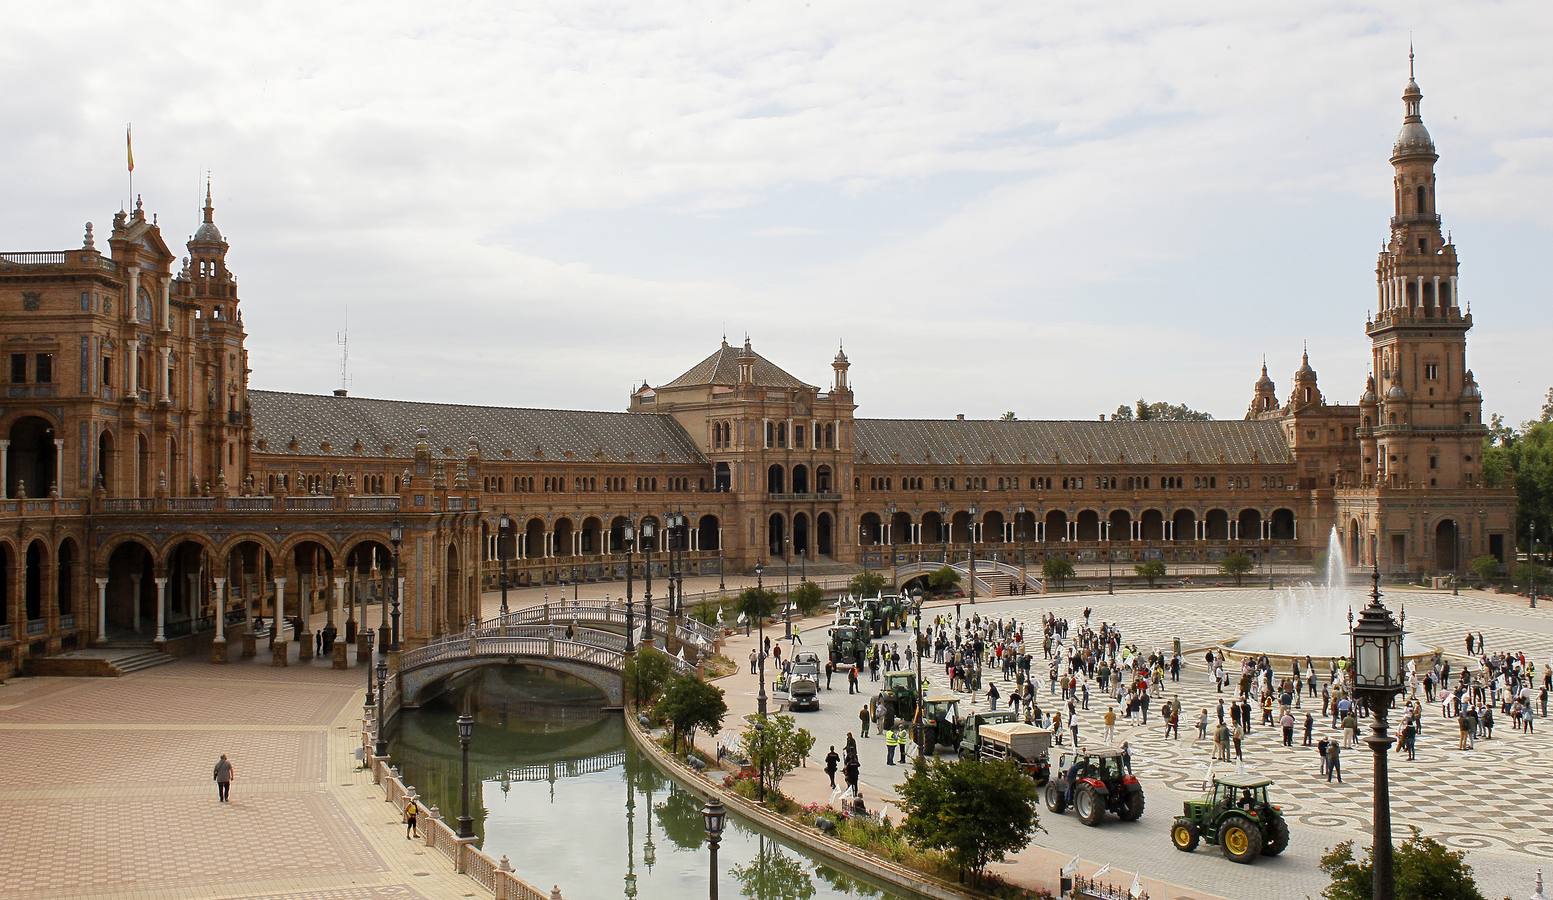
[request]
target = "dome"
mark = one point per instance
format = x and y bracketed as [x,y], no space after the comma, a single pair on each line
[1396,393]
[1368,398]
[1413,138]
[208,232]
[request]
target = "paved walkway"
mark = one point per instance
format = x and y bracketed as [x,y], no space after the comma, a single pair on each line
[1491,801]
[108,792]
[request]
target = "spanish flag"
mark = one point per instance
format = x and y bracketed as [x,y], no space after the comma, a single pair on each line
[129,148]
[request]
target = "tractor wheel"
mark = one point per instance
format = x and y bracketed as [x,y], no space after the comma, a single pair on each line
[1241,840]
[1277,837]
[1055,800]
[1089,806]
[1132,807]
[1185,836]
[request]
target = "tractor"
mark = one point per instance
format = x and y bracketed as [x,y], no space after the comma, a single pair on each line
[900,694]
[941,726]
[1093,781]
[846,645]
[970,734]
[873,618]
[1234,814]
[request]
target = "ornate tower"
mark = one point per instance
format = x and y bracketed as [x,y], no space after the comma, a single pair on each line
[1264,397]
[1427,428]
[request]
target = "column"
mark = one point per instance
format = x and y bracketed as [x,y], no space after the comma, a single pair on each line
[134,581]
[218,644]
[161,610]
[1455,298]
[339,597]
[338,651]
[5,469]
[102,610]
[278,625]
[192,600]
[131,389]
[1437,290]
[1419,295]
[163,378]
[167,312]
[59,467]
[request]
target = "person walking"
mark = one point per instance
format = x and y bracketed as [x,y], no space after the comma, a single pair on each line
[411,810]
[830,669]
[832,763]
[852,680]
[1110,724]
[889,746]
[1202,725]
[1310,723]
[1237,736]
[1334,762]
[1287,721]
[223,777]
[753,657]
[862,716]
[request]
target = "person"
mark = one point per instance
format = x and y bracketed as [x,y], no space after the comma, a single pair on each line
[410,812]
[1126,758]
[852,770]
[753,657]
[889,745]
[1110,724]
[797,634]
[1321,753]
[1334,762]
[852,680]
[862,716]
[223,776]
[830,669]
[1202,725]
[1287,721]
[1237,737]
[832,763]
[992,694]
[1310,723]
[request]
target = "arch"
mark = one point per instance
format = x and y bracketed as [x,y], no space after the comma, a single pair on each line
[823,480]
[67,576]
[824,535]
[800,479]
[1118,525]
[617,533]
[7,567]
[960,527]
[801,534]
[534,539]
[709,533]
[143,466]
[424,682]
[775,480]
[932,527]
[106,457]
[776,535]
[1087,525]
[1447,546]
[288,547]
[453,589]
[248,563]
[1281,525]
[1056,526]
[900,528]
[1353,543]
[203,541]
[1216,525]
[185,564]
[131,590]
[1249,525]
[30,457]
[1024,526]
[33,585]
[722,478]
[1151,525]
[1183,525]
[992,527]
[564,529]
[1422,207]
[592,533]
[311,563]
[870,529]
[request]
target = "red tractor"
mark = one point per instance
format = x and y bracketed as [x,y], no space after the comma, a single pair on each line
[1094,782]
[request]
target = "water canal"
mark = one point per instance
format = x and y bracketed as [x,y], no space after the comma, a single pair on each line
[567,798]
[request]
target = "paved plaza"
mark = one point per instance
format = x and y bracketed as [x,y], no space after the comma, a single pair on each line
[1491,801]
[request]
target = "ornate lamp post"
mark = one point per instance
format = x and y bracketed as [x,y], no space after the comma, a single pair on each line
[1019,528]
[503,528]
[395,537]
[369,634]
[674,523]
[628,537]
[1532,554]
[1376,643]
[466,731]
[381,748]
[787,593]
[647,537]
[715,818]
[1110,563]
[973,512]
[760,648]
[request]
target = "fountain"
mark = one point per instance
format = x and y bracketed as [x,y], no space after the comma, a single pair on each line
[1308,619]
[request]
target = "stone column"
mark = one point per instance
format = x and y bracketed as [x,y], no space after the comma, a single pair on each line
[161,610]
[5,469]
[134,582]
[163,379]
[167,310]
[278,628]
[102,610]
[218,644]
[59,467]
[338,653]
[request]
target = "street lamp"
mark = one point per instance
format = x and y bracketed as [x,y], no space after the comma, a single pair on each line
[760,646]
[787,592]
[715,818]
[973,512]
[1110,562]
[381,749]
[1376,643]
[369,634]
[1532,547]
[395,537]
[503,528]
[647,535]
[628,537]
[466,730]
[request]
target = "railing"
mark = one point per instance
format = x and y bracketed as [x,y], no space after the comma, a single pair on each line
[43,258]
[604,650]
[1085,888]
[612,613]
[5,632]
[570,768]
[66,622]
[817,496]
[36,627]
[310,504]
[387,503]
[250,504]
[191,504]
[128,504]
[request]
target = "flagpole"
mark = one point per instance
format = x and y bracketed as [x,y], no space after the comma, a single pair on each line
[129,154]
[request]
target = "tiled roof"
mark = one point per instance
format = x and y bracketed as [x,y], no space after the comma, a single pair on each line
[999,442]
[722,367]
[342,421]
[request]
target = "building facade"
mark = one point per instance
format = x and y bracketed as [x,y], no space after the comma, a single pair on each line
[148,487]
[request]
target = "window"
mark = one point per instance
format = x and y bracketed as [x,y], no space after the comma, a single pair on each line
[19,368]
[1431,371]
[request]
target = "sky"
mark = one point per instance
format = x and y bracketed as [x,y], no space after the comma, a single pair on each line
[1046,207]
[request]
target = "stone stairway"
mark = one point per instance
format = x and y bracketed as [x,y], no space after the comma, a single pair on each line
[100,662]
[135,659]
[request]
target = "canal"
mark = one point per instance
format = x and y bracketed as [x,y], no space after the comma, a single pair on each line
[566,797]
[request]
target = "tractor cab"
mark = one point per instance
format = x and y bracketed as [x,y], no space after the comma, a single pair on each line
[940,723]
[1235,814]
[900,693]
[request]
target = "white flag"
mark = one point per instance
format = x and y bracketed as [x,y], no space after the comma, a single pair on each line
[1101,871]
[1137,887]
[1070,867]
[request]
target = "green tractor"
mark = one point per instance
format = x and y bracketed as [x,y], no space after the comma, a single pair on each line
[873,618]
[1234,814]
[846,645]
[941,725]
[900,694]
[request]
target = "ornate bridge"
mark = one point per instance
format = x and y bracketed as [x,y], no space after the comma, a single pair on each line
[609,613]
[993,578]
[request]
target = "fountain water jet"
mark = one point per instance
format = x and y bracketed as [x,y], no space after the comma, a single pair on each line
[1309,619]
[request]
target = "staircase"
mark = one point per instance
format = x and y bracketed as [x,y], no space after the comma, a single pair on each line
[135,659]
[997,584]
[100,662]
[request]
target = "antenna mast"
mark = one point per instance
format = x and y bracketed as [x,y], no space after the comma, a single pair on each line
[343,339]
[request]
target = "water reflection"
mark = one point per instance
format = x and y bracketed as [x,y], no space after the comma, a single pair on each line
[564,796]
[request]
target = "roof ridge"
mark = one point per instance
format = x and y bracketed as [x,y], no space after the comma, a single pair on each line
[601,412]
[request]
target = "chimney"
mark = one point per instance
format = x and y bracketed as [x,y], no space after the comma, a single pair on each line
[959,417]
[339,392]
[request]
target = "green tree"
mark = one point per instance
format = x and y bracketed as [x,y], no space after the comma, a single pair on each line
[943,580]
[1144,411]
[1424,869]
[868,583]
[1236,564]
[777,745]
[773,874]
[680,818]
[1009,417]
[1057,569]
[976,811]
[1486,568]
[807,597]
[646,672]
[1526,573]
[690,703]
[1526,457]
[1152,569]
[756,603]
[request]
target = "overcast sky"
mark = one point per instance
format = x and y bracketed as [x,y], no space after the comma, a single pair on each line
[1044,207]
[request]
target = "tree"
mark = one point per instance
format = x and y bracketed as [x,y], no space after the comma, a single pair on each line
[976,811]
[1486,568]
[776,745]
[1010,417]
[807,597]
[775,875]
[756,603]
[1424,869]
[1144,411]
[1058,569]
[1153,570]
[1526,573]
[690,703]
[943,580]
[646,672]
[1236,564]
[867,583]
[1526,457]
